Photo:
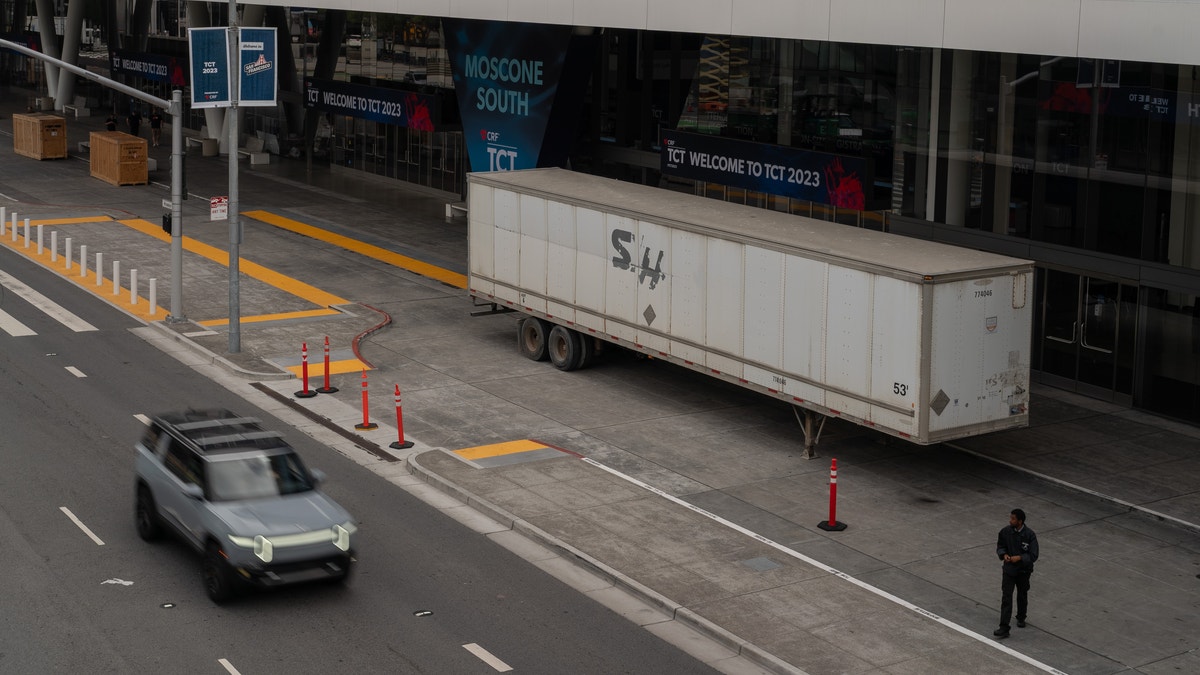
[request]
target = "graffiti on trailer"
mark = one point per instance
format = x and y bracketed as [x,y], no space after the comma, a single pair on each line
[624,260]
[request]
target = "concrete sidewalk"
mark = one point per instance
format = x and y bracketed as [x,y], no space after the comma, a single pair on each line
[687,491]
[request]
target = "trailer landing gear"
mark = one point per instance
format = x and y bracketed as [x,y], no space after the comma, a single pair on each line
[807,422]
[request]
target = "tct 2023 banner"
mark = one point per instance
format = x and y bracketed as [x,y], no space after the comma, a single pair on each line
[506,76]
[840,180]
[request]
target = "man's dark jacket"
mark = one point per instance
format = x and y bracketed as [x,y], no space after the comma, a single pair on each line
[1023,543]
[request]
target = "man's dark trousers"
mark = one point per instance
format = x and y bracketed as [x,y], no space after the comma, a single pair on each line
[1019,581]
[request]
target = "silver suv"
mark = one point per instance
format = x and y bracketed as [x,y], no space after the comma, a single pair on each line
[239,495]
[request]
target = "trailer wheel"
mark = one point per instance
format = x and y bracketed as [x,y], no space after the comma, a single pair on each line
[587,349]
[531,338]
[565,348]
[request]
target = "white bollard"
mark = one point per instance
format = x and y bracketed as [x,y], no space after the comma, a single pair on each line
[54,246]
[3,218]
[13,232]
[99,268]
[67,254]
[83,260]
[26,233]
[153,296]
[116,277]
[40,247]
[133,287]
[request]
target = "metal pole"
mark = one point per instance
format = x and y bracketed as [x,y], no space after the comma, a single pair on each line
[235,229]
[176,207]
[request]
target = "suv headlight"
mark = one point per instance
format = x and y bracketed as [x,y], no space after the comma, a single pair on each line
[261,545]
[341,535]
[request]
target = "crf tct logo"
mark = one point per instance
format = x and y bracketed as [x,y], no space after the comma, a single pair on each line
[489,136]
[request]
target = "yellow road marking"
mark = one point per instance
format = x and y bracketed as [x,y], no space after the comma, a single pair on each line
[317,369]
[253,270]
[69,221]
[282,316]
[369,250]
[498,449]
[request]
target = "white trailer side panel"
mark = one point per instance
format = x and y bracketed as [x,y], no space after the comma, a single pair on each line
[591,266]
[654,287]
[561,263]
[805,301]
[507,246]
[534,240]
[848,342]
[689,295]
[620,290]
[481,238]
[896,353]
[723,313]
[980,347]
[763,327]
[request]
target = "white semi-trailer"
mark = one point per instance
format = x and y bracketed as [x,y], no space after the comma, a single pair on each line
[920,340]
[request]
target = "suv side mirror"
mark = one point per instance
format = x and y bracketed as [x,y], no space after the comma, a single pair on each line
[193,491]
[317,475]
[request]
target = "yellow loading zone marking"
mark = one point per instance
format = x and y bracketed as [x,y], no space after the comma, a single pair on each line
[369,250]
[498,449]
[317,370]
[254,271]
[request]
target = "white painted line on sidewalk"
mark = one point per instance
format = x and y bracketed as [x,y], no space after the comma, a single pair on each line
[142,418]
[486,656]
[229,667]
[1079,488]
[81,525]
[75,371]
[9,324]
[48,306]
[11,199]
[995,644]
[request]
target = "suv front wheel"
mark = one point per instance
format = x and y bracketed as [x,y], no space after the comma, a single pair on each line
[148,525]
[218,578]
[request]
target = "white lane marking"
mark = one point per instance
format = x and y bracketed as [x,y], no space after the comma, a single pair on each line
[75,371]
[822,566]
[229,667]
[10,325]
[11,199]
[81,525]
[142,418]
[120,582]
[49,307]
[486,656]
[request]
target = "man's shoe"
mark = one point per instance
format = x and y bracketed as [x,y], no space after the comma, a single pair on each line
[1001,632]
[1020,623]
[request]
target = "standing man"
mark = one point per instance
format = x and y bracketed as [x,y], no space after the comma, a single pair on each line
[1017,546]
[155,126]
[134,120]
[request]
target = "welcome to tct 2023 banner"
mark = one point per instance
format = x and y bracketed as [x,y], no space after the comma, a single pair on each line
[506,77]
[819,177]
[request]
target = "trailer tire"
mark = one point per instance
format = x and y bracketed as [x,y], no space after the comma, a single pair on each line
[587,349]
[565,348]
[531,338]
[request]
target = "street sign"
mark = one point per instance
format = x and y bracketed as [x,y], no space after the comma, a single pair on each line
[208,53]
[218,208]
[166,203]
[258,72]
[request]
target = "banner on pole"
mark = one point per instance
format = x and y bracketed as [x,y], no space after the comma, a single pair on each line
[208,54]
[258,67]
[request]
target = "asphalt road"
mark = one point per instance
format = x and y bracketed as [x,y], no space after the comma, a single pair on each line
[425,587]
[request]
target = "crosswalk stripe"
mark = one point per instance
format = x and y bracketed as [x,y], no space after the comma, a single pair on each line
[48,306]
[15,328]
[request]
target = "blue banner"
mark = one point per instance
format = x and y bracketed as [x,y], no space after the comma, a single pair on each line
[506,76]
[208,53]
[390,106]
[154,67]
[820,177]
[258,68]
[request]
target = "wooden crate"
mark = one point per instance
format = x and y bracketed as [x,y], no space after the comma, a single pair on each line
[119,158]
[40,136]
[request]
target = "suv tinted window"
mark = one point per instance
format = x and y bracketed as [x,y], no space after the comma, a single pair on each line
[184,463]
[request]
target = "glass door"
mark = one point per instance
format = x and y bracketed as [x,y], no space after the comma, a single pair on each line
[1087,334]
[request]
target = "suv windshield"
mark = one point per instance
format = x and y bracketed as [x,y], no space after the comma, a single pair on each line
[257,475]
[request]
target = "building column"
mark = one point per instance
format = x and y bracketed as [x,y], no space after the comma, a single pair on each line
[70,51]
[958,144]
[1003,158]
[45,16]
[1183,233]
